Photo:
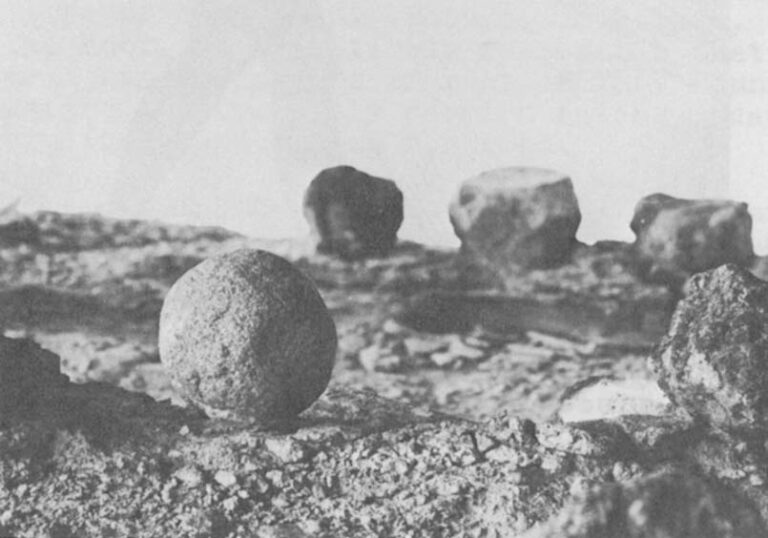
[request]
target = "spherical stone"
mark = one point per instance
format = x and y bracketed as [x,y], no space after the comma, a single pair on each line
[246,336]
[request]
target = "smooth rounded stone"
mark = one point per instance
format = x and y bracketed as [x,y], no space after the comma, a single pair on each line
[603,398]
[246,336]
[516,218]
[352,214]
[671,504]
[714,360]
[676,237]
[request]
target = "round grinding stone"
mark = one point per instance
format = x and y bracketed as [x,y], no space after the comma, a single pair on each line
[246,336]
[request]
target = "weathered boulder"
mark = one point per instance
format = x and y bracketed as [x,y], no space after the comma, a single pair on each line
[668,504]
[352,214]
[676,237]
[714,360]
[246,335]
[514,219]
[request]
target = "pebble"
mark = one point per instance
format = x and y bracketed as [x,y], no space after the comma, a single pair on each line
[286,449]
[415,345]
[225,478]
[442,360]
[190,476]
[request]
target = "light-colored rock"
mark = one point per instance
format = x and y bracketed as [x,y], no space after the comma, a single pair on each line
[676,237]
[516,218]
[246,336]
[604,398]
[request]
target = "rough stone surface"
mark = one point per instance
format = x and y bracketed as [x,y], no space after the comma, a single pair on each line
[382,452]
[352,214]
[668,504]
[514,219]
[676,237]
[245,335]
[714,360]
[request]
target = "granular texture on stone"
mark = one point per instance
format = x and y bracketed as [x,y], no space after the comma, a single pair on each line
[516,218]
[352,214]
[714,360]
[676,237]
[246,336]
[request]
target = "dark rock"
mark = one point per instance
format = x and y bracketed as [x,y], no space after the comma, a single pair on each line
[678,237]
[352,214]
[514,219]
[245,335]
[26,372]
[669,504]
[19,231]
[714,360]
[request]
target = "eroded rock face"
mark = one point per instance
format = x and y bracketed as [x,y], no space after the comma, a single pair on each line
[514,219]
[678,237]
[245,335]
[352,214]
[669,504]
[714,359]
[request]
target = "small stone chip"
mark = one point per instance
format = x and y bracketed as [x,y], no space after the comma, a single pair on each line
[286,449]
[225,478]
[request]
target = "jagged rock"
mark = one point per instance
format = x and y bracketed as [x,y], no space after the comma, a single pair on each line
[353,214]
[514,219]
[672,504]
[678,237]
[712,362]
[245,335]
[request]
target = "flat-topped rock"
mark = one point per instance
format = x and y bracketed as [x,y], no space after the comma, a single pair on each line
[676,237]
[514,219]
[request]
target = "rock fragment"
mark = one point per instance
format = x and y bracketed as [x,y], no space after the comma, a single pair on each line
[514,219]
[714,360]
[676,237]
[246,336]
[352,214]
[605,398]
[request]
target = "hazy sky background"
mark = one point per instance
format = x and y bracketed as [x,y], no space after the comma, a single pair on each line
[222,112]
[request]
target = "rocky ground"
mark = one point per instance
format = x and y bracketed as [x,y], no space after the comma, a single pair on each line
[452,411]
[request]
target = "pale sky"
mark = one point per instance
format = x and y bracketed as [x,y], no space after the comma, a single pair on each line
[222,112]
